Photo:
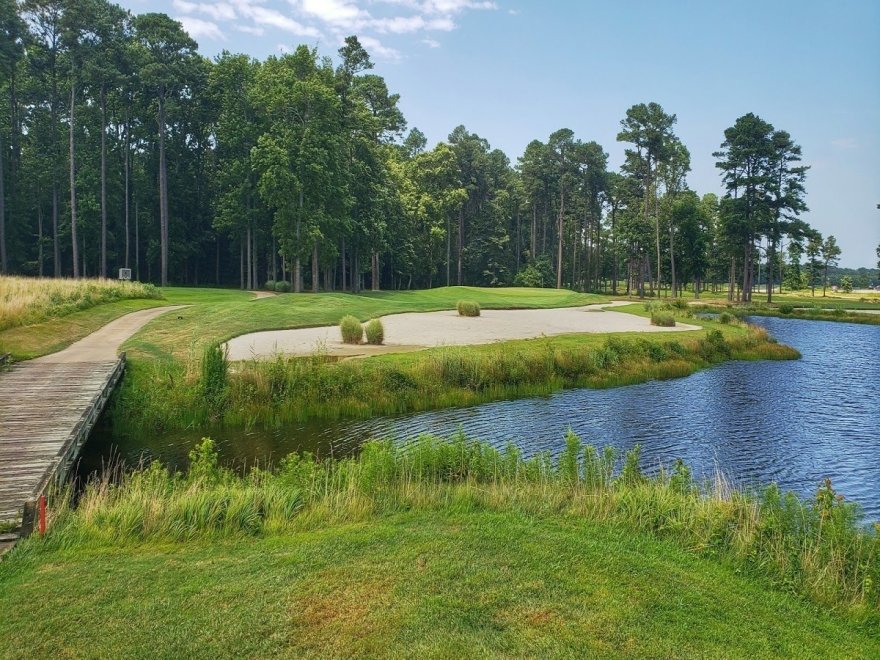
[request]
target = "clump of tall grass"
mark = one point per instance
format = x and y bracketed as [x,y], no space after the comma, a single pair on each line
[663,319]
[351,329]
[785,308]
[468,308]
[817,548]
[374,331]
[29,300]
[215,367]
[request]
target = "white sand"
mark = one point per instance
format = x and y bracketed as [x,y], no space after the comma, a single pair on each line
[412,331]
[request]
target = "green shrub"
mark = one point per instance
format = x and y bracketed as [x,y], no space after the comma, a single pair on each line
[282,286]
[785,308]
[468,308]
[214,372]
[726,318]
[352,330]
[270,285]
[663,319]
[680,303]
[375,332]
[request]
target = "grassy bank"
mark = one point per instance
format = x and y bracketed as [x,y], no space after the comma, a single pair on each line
[448,547]
[841,312]
[170,394]
[27,301]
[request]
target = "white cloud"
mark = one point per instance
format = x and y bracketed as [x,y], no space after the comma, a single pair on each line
[274,18]
[248,29]
[197,28]
[373,45]
[219,11]
[335,12]
[313,19]
[406,24]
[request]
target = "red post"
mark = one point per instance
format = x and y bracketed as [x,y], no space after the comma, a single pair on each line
[42,515]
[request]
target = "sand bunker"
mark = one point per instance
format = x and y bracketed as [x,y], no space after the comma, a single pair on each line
[414,331]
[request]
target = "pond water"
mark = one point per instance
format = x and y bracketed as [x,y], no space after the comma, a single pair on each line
[792,422]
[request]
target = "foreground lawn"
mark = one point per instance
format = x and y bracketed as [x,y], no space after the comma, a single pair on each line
[425,584]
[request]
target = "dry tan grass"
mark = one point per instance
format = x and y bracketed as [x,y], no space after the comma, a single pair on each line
[27,300]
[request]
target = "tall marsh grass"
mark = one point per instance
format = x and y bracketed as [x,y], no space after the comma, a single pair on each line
[351,330]
[816,548]
[28,300]
[160,395]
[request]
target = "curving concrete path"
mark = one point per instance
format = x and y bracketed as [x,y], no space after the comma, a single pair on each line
[413,331]
[103,344]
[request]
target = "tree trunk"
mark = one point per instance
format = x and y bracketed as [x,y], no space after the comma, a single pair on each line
[72,155]
[731,278]
[534,234]
[163,193]
[614,264]
[375,268]
[56,248]
[342,263]
[255,284]
[460,241]
[771,255]
[103,183]
[40,238]
[315,266]
[559,242]
[127,176]
[3,265]
[241,266]
[297,266]
[672,259]
[249,264]
[137,243]
[518,239]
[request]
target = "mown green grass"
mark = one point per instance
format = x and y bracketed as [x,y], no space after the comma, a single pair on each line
[417,584]
[841,312]
[442,548]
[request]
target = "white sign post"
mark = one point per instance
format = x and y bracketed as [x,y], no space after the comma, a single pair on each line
[125,273]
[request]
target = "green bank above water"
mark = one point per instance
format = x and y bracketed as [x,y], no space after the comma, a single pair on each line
[444,548]
[205,389]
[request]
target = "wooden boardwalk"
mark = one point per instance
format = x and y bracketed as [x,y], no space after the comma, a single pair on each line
[47,410]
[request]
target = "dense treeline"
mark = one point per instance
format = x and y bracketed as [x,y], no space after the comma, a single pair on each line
[121,146]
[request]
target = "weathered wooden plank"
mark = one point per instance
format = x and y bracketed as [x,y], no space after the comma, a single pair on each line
[46,413]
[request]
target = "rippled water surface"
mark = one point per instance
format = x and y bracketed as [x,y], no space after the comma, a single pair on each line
[792,422]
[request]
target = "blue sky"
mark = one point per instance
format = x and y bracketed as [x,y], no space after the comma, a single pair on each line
[513,71]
